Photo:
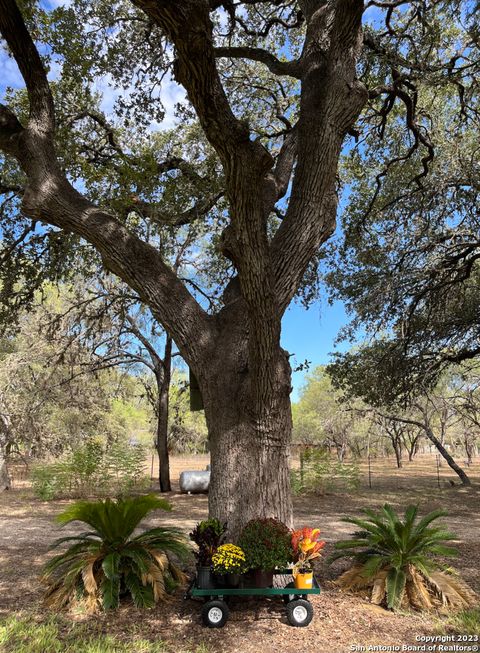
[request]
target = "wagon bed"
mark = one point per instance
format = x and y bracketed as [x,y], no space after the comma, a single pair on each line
[215,611]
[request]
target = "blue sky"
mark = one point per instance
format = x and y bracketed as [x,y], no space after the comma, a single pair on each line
[310,335]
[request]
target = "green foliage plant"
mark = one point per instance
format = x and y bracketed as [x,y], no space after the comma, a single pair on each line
[397,560]
[208,535]
[109,559]
[92,469]
[267,544]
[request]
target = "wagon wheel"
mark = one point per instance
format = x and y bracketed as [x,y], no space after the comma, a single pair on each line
[299,612]
[215,614]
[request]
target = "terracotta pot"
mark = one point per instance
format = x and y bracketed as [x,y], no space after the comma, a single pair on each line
[304,581]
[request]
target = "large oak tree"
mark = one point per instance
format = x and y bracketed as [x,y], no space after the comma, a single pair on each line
[304,60]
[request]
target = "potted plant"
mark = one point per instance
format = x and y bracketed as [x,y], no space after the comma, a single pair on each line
[208,535]
[306,545]
[229,564]
[267,545]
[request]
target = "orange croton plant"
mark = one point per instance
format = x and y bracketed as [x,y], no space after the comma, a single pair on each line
[306,545]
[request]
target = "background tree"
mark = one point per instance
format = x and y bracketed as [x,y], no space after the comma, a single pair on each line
[108,321]
[406,262]
[267,129]
[4,439]
[392,430]
[323,417]
[54,394]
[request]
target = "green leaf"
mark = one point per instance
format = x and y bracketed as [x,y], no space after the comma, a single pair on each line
[111,564]
[110,591]
[142,595]
[396,580]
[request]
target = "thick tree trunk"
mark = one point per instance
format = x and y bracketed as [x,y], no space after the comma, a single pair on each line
[163,378]
[249,450]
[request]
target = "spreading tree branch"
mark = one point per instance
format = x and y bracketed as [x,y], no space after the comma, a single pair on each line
[274,65]
[50,197]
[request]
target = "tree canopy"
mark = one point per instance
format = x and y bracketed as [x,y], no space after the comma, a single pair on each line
[406,263]
[271,93]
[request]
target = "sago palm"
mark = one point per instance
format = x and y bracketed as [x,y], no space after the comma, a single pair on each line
[397,561]
[108,560]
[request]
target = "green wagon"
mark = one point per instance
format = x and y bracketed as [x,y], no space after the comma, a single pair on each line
[215,611]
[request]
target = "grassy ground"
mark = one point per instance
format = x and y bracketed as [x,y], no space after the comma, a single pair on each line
[341,621]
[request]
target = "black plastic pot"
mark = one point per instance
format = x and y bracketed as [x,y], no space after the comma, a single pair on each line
[205,580]
[262,578]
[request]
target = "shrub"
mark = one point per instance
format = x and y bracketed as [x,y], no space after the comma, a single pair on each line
[267,544]
[208,535]
[92,469]
[108,559]
[320,473]
[396,560]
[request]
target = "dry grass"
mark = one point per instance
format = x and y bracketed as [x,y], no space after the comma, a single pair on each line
[27,528]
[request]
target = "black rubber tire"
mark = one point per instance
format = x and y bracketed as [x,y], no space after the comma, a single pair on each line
[299,613]
[215,614]
[292,597]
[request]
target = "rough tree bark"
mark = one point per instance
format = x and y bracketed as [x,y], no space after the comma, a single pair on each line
[243,373]
[163,379]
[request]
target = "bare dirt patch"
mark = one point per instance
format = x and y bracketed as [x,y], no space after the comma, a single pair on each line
[27,529]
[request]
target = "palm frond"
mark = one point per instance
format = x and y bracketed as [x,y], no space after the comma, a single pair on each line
[110,592]
[88,577]
[396,560]
[396,579]
[378,590]
[82,537]
[423,523]
[94,567]
[142,595]
[452,590]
